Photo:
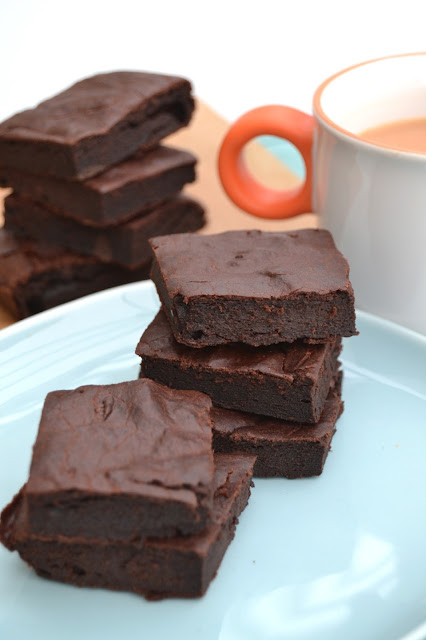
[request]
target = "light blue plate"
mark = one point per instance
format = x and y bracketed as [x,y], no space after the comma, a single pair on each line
[340,557]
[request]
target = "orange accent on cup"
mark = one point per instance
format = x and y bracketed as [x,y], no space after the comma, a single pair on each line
[247,192]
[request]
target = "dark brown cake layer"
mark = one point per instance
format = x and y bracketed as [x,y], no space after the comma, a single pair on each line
[154,567]
[254,287]
[95,124]
[33,279]
[133,186]
[288,381]
[125,244]
[120,462]
[283,449]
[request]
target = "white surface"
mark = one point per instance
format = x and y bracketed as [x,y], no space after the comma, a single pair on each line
[239,53]
[373,199]
[337,557]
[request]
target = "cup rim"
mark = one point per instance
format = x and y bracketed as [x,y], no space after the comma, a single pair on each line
[348,136]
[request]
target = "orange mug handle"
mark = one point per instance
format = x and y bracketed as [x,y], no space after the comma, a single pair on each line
[247,192]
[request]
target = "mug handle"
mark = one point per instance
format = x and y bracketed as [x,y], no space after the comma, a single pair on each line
[247,192]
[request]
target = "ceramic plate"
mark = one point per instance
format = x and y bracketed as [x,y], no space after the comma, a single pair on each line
[342,556]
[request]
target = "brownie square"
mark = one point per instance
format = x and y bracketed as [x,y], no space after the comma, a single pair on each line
[33,279]
[283,449]
[254,287]
[126,244]
[95,124]
[154,567]
[288,381]
[135,185]
[120,462]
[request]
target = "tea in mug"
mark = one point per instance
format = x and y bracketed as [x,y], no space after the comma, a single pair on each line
[404,135]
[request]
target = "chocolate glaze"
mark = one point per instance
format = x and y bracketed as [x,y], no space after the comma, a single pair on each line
[255,264]
[287,381]
[127,453]
[103,439]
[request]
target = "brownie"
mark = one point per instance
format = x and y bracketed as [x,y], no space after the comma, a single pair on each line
[33,279]
[254,287]
[288,381]
[154,567]
[120,462]
[95,124]
[125,244]
[144,180]
[283,449]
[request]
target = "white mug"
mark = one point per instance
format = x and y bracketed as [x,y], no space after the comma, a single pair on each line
[371,197]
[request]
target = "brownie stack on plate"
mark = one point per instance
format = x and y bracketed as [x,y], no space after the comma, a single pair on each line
[124,491]
[255,320]
[91,185]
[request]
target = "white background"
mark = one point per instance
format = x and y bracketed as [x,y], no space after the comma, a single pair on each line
[239,54]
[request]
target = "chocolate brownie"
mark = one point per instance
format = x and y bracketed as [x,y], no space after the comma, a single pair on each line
[95,124]
[33,279]
[154,567]
[144,180]
[289,381]
[120,462]
[125,244]
[255,287]
[283,449]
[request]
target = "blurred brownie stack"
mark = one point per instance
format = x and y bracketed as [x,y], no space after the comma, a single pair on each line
[91,185]
[255,320]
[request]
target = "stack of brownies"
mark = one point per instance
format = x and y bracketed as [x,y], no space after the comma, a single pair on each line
[125,492]
[90,186]
[255,320]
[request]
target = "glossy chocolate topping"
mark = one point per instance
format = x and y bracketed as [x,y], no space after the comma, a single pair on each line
[253,264]
[132,437]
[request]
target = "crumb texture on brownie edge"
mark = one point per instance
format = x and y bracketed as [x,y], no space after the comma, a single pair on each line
[90,107]
[101,459]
